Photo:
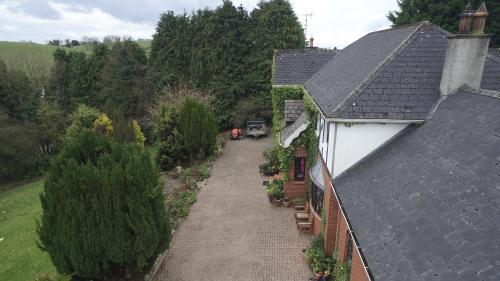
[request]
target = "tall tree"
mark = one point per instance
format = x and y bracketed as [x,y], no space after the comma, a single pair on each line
[444,13]
[170,50]
[198,129]
[17,96]
[124,84]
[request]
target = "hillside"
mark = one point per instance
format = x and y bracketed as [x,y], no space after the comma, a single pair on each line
[37,58]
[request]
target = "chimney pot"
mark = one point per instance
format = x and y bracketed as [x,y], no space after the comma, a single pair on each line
[480,19]
[311,42]
[466,18]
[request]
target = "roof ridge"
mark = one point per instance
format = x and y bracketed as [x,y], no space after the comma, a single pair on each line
[277,51]
[362,86]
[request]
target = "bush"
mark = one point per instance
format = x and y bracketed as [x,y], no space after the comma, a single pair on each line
[103,209]
[82,118]
[275,189]
[197,172]
[140,139]
[179,203]
[316,257]
[272,163]
[169,139]
[199,129]
[103,125]
[220,142]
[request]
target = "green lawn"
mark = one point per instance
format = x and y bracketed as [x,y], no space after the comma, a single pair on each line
[20,258]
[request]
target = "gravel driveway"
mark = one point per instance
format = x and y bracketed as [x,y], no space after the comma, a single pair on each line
[232,232]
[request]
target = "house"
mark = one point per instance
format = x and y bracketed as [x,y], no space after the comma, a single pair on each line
[291,69]
[409,152]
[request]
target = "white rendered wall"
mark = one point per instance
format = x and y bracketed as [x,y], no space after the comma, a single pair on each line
[323,139]
[357,141]
[331,147]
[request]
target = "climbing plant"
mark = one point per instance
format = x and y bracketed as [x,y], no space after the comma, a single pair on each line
[278,96]
[307,138]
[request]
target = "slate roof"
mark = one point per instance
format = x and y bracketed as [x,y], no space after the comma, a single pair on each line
[426,206]
[294,67]
[293,109]
[389,74]
[491,73]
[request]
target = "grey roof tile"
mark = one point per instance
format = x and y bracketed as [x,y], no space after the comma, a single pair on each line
[431,197]
[294,67]
[353,66]
[408,71]
[491,74]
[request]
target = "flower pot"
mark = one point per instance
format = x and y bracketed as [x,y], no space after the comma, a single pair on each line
[277,202]
[286,203]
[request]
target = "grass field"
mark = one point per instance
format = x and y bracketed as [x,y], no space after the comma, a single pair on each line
[20,258]
[36,60]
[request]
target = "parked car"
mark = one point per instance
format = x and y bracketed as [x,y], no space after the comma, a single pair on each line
[256,128]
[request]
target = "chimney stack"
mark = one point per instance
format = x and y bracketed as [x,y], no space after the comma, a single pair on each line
[311,42]
[466,53]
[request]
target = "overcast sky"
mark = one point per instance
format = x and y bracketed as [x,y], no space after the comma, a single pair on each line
[334,23]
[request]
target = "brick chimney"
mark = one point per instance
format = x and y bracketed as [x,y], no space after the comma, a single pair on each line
[467,52]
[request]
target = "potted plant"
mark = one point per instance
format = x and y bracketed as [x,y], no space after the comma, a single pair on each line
[277,192]
[286,202]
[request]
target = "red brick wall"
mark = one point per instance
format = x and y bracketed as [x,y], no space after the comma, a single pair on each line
[336,231]
[295,189]
[342,241]
[358,272]
[332,208]
[316,221]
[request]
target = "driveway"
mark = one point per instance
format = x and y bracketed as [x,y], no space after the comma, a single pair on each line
[232,232]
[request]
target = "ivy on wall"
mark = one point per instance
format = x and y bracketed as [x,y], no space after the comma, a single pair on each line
[279,95]
[307,138]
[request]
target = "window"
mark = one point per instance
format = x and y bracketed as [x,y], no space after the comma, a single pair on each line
[348,255]
[317,198]
[300,169]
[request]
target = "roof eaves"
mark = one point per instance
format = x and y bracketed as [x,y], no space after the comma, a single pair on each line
[377,121]
[362,86]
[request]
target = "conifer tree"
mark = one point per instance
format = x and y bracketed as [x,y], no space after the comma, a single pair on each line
[198,128]
[169,139]
[124,83]
[103,211]
[445,13]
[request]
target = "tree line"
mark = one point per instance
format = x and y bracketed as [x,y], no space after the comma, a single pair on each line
[226,53]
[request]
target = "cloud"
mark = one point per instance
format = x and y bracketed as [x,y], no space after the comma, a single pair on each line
[40,9]
[333,24]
